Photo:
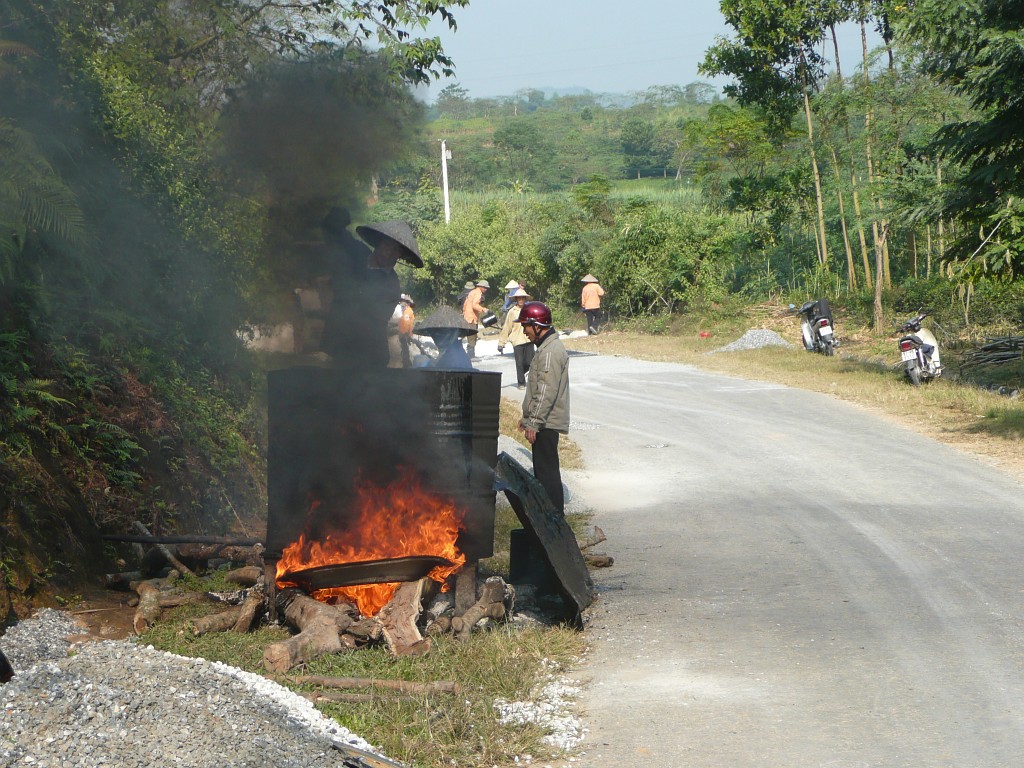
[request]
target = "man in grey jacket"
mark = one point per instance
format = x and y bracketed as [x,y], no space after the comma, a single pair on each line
[546,405]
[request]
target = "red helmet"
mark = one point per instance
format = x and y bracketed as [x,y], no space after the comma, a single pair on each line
[535,313]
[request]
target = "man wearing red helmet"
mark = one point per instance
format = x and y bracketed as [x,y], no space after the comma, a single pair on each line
[546,405]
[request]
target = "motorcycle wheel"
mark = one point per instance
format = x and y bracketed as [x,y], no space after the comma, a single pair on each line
[914,375]
[827,349]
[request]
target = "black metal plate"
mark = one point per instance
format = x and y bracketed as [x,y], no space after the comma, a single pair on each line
[398,569]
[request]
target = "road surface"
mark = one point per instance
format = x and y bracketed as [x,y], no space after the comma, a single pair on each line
[797,582]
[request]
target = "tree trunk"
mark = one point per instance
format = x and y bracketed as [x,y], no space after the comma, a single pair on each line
[850,269]
[823,253]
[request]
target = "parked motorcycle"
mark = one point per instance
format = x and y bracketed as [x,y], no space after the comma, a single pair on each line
[919,350]
[817,327]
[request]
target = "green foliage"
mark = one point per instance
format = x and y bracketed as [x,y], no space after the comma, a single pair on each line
[976,49]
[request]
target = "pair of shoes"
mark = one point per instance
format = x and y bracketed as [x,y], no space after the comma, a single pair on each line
[520,386]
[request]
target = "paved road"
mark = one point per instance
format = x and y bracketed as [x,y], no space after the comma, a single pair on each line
[797,582]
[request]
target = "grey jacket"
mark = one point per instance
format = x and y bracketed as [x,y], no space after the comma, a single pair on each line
[546,405]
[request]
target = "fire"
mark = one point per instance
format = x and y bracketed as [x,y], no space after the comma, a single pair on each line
[402,519]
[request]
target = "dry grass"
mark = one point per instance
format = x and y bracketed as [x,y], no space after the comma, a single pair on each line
[864,371]
[569,454]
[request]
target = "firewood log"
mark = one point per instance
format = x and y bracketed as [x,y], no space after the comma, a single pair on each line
[252,606]
[398,620]
[203,553]
[217,622]
[148,610]
[320,626]
[599,561]
[593,540]
[246,576]
[491,605]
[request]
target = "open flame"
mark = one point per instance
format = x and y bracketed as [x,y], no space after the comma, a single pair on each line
[402,519]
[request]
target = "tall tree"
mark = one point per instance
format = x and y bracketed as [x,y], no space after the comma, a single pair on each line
[774,58]
[976,48]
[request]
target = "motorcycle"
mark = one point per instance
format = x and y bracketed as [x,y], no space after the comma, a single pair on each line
[919,351]
[817,327]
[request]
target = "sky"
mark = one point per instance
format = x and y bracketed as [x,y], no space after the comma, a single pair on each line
[606,46]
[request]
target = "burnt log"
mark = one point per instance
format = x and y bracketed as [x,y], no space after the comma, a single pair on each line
[491,605]
[320,627]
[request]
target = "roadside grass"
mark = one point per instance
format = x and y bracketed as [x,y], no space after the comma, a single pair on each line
[508,662]
[569,454]
[954,409]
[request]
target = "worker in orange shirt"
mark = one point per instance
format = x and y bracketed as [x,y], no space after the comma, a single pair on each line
[472,310]
[591,301]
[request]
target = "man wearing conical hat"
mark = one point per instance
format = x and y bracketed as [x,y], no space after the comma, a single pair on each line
[365,292]
[591,302]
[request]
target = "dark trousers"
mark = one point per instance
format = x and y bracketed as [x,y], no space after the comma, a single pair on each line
[546,468]
[524,356]
[593,320]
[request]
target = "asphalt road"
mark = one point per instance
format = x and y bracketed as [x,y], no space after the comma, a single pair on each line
[797,582]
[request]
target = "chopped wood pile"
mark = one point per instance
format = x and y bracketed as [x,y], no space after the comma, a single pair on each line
[998,351]
[416,613]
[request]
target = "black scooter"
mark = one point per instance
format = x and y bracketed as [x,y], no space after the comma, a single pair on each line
[817,327]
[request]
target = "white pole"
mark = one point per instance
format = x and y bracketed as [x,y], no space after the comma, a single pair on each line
[445,154]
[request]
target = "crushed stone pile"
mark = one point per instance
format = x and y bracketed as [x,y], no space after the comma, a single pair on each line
[756,338]
[120,704]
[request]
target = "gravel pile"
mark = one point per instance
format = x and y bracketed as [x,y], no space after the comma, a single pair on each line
[118,704]
[755,338]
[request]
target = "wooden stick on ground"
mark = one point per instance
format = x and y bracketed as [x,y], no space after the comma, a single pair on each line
[402,686]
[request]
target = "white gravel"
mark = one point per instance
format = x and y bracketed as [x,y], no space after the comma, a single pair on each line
[117,703]
[756,338]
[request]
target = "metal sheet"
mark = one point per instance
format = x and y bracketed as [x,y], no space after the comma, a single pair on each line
[398,569]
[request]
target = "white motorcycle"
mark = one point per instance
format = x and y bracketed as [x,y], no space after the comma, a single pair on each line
[919,351]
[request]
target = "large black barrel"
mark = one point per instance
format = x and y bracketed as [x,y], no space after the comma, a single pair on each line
[328,426]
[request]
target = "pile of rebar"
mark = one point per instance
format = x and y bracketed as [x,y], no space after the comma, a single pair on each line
[998,351]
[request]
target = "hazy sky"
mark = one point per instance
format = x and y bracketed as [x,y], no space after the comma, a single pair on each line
[607,46]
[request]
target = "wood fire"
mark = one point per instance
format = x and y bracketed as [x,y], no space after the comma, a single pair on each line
[398,520]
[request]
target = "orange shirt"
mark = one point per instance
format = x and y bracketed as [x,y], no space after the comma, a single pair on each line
[472,308]
[592,293]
